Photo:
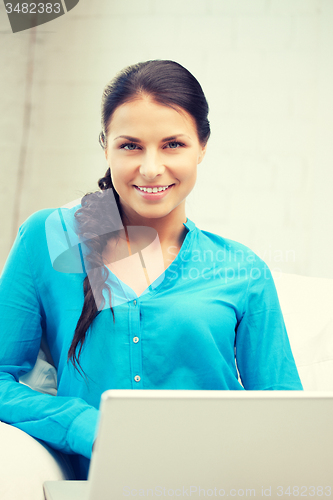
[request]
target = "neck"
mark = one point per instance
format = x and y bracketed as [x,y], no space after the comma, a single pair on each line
[170,228]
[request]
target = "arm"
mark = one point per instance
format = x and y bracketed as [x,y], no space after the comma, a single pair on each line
[263,353]
[65,423]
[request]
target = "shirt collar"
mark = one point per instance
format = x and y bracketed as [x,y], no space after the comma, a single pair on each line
[189,224]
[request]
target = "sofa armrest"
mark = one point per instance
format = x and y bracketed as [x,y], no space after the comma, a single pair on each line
[26,463]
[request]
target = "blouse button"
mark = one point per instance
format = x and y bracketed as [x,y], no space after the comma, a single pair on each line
[137,378]
[136,340]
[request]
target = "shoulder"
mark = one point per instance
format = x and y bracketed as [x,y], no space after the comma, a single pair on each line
[47,234]
[38,221]
[227,250]
[35,223]
[46,225]
[243,266]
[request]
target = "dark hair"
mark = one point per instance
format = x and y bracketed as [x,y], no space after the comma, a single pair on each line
[167,83]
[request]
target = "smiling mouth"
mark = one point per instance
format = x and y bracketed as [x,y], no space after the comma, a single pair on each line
[153,189]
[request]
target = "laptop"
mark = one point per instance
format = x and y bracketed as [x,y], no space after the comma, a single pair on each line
[183,443]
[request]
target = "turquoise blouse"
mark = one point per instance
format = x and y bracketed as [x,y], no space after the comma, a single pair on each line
[216,305]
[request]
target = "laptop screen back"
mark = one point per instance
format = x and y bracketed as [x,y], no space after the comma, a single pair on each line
[198,444]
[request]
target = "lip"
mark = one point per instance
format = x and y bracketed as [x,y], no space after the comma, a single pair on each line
[154,196]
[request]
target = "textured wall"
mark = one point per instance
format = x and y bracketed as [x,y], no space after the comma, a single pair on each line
[266,67]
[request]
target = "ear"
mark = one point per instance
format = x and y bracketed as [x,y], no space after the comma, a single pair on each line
[202,154]
[106,153]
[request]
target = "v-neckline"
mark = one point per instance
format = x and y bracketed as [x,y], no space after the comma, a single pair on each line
[158,281]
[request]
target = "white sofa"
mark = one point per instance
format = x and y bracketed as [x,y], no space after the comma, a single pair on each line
[307,305]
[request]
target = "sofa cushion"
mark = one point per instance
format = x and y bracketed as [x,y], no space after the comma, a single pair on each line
[307,306]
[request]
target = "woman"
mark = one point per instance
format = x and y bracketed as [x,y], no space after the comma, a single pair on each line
[129,292]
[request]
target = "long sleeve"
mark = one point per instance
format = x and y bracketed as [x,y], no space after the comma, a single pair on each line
[263,353]
[65,423]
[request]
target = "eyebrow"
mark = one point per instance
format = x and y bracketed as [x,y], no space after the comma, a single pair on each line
[135,139]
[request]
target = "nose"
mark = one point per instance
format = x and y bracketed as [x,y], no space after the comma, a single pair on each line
[151,165]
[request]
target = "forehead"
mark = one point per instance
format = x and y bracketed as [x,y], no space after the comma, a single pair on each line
[145,116]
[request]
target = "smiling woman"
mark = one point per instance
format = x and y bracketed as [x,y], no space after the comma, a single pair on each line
[121,286]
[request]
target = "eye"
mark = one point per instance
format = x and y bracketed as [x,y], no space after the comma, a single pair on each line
[129,146]
[174,144]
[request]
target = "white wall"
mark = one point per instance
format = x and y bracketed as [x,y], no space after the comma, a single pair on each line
[266,67]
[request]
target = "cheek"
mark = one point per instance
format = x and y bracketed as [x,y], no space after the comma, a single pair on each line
[185,158]
[187,169]
[120,170]
[121,157]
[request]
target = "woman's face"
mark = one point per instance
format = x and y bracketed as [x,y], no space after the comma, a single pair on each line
[152,146]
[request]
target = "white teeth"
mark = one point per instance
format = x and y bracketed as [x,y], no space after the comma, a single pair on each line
[153,190]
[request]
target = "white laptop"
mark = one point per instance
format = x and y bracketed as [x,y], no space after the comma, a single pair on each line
[161,444]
